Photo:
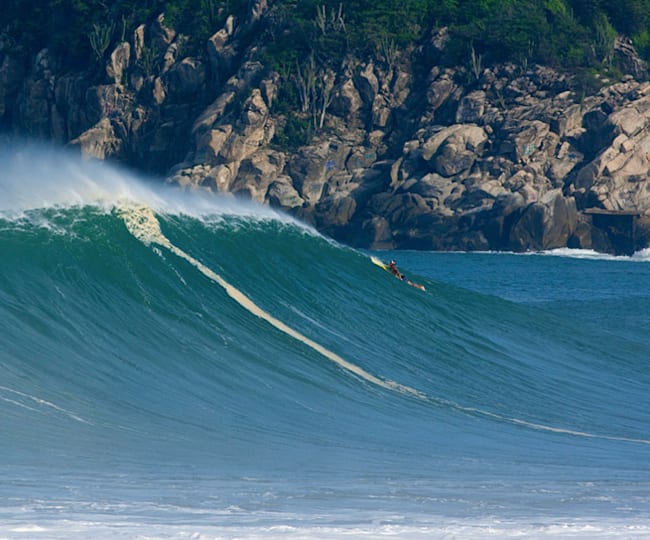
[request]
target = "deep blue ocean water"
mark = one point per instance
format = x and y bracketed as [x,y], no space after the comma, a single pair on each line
[175,365]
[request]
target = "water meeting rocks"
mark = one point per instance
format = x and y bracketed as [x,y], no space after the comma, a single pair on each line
[406,151]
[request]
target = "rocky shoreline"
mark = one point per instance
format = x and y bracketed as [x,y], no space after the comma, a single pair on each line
[412,155]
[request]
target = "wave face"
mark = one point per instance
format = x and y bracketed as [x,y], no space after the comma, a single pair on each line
[175,364]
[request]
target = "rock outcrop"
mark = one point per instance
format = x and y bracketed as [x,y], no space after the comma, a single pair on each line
[407,156]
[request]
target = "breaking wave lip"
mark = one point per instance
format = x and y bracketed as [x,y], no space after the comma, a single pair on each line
[37,177]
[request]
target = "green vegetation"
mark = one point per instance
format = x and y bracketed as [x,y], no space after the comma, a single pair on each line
[68,26]
[310,42]
[563,33]
[78,30]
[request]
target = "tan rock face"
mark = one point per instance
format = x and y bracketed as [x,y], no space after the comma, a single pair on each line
[119,63]
[99,141]
[618,176]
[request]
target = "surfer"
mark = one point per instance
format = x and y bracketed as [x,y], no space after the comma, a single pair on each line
[392,266]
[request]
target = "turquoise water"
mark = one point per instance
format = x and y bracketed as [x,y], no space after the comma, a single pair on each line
[142,397]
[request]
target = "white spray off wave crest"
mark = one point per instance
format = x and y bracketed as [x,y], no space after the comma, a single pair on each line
[36,177]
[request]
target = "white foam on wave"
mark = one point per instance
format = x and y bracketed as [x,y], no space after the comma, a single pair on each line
[408,528]
[640,256]
[571,253]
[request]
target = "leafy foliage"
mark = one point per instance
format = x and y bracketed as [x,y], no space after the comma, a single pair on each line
[295,131]
[573,34]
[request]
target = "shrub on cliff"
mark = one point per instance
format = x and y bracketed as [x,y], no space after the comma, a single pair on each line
[563,33]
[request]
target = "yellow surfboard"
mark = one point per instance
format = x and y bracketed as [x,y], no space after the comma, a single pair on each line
[376,261]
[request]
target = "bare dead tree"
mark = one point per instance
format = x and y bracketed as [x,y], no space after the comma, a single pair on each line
[306,82]
[326,95]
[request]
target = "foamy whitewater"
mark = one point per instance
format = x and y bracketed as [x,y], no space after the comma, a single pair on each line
[177,365]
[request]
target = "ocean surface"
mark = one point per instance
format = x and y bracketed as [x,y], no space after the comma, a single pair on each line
[176,365]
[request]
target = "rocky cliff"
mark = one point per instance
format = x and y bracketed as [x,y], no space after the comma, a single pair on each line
[407,153]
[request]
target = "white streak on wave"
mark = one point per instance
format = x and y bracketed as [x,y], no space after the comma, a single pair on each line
[39,401]
[142,223]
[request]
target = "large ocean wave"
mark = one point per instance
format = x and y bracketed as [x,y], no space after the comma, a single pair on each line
[149,332]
